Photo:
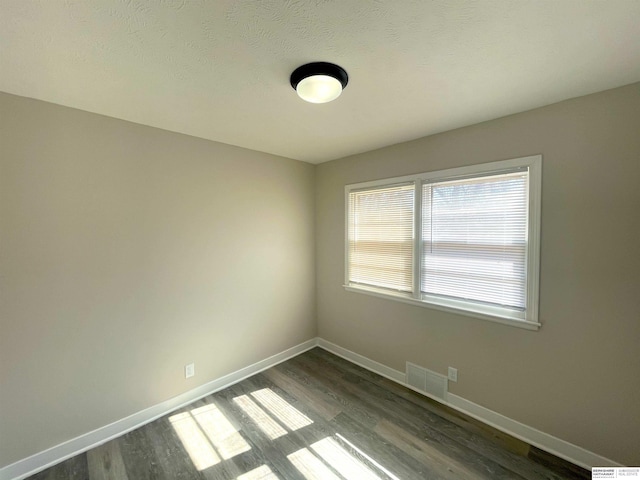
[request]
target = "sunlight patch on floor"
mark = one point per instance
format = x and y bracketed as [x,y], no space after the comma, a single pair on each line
[310,466]
[261,473]
[194,440]
[281,409]
[342,461]
[208,436]
[224,436]
[361,453]
[268,425]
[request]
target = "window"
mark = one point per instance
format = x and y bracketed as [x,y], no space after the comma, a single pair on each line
[463,240]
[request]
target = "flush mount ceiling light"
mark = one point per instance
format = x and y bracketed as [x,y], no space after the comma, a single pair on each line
[319,82]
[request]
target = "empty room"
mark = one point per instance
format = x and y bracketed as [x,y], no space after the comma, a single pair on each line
[310,239]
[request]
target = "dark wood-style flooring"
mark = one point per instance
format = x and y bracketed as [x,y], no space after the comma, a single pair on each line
[315,416]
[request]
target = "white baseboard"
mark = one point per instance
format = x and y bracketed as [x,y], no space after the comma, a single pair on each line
[363,361]
[556,446]
[532,436]
[42,460]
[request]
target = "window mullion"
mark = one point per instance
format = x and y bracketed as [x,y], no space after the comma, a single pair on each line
[417,239]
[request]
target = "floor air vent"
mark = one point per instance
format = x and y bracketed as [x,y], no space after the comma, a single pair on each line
[427,381]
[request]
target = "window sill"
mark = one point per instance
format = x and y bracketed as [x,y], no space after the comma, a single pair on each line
[399,297]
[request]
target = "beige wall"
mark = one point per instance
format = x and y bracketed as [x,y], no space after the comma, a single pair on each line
[127,252]
[117,267]
[577,378]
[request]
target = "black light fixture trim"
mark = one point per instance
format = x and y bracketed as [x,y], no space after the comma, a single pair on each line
[319,68]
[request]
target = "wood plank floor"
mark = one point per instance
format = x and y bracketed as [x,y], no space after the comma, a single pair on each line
[314,417]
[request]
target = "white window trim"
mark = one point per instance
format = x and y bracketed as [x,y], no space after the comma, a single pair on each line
[530,322]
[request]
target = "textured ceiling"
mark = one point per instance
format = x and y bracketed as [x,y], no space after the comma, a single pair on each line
[220,69]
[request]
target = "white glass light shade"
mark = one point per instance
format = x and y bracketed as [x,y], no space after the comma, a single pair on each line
[319,88]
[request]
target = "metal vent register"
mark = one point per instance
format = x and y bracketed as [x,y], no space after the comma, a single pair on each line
[426,381]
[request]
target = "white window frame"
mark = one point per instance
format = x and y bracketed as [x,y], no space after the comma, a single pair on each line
[529,318]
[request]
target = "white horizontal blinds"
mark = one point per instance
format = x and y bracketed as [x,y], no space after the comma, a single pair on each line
[474,234]
[381,237]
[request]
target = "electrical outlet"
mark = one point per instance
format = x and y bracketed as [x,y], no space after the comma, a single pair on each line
[189,370]
[453,374]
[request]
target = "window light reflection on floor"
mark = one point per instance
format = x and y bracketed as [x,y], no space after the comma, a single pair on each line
[207,435]
[224,436]
[281,409]
[194,440]
[360,452]
[342,461]
[268,425]
[310,466]
[261,473]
